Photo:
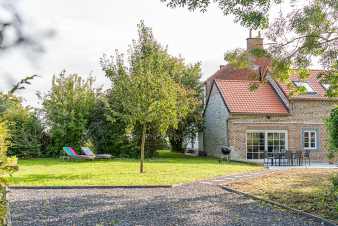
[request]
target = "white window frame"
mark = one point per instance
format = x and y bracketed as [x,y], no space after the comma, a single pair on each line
[305,85]
[309,143]
[326,86]
[265,139]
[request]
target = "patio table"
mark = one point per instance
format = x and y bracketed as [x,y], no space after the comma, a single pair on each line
[284,158]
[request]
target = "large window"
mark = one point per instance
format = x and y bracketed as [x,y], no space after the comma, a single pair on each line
[255,145]
[260,141]
[310,139]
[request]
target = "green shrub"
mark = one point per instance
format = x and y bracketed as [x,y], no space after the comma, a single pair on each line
[330,199]
[332,128]
[24,127]
[68,107]
[8,165]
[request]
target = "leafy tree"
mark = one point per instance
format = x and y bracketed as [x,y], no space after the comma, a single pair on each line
[147,94]
[24,127]
[8,164]
[68,107]
[7,167]
[306,33]
[107,132]
[22,84]
[188,76]
[250,13]
[332,128]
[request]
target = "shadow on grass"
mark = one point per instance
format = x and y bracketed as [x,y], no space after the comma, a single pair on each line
[31,179]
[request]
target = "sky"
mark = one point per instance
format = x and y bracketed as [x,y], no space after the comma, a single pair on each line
[87,29]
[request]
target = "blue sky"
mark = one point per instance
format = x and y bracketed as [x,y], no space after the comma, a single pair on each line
[86,29]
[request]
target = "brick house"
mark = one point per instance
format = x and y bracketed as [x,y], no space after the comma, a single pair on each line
[268,118]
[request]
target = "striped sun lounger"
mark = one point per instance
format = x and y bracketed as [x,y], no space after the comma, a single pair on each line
[88,152]
[71,153]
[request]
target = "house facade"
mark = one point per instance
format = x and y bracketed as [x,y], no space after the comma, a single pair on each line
[266,119]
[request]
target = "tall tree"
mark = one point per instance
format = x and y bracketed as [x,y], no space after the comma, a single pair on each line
[332,129]
[24,127]
[108,132]
[148,96]
[68,107]
[188,76]
[308,32]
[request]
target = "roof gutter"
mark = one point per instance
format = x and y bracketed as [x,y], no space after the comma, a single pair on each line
[279,92]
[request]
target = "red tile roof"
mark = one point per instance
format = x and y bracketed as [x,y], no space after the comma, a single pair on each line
[240,99]
[230,73]
[227,72]
[312,80]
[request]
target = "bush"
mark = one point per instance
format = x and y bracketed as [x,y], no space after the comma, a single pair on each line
[24,127]
[7,166]
[332,128]
[3,206]
[108,134]
[330,198]
[24,133]
[68,107]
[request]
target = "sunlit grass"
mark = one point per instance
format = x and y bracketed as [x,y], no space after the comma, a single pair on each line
[303,189]
[170,168]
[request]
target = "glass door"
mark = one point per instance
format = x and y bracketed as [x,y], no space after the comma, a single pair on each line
[255,145]
[259,141]
[276,142]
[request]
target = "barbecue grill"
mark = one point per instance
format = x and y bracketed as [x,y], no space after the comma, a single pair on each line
[226,153]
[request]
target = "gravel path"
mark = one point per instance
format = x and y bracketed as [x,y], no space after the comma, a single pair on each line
[194,204]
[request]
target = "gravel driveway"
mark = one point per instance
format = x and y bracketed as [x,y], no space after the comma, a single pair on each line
[194,204]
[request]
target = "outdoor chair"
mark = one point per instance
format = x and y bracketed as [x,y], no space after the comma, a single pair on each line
[298,156]
[283,157]
[268,158]
[73,155]
[291,158]
[88,152]
[306,156]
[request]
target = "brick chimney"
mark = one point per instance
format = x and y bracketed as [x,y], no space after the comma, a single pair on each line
[254,43]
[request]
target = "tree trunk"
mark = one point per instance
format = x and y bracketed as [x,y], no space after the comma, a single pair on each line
[144,130]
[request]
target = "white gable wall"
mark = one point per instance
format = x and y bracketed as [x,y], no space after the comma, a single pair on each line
[215,124]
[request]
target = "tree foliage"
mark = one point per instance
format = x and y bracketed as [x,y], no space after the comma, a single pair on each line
[24,128]
[8,164]
[250,13]
[14,33]
[148,96]
[7,167]
[332,128]
[68,107]
[299,37]
[188,76]
[107,132]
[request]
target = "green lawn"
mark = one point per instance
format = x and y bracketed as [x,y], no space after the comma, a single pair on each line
[170,168]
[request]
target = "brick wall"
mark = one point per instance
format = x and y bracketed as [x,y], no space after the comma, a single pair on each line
[303,114]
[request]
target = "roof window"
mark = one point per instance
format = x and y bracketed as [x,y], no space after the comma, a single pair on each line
[326,86]
[304,85]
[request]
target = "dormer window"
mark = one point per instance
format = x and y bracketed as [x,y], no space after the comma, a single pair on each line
[304,85]
[326,86]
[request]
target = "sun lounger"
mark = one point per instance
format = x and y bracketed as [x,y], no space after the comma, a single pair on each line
[72,154]
[88,152]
